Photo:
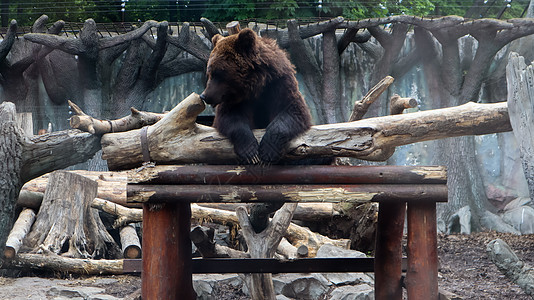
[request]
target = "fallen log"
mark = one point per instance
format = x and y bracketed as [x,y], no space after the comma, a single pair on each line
[20,230]
[312,212]
[68,265]
[130,244]
[124,215]
[177,139]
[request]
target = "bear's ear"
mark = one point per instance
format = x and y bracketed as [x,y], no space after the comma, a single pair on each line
[216,38]
[246,40]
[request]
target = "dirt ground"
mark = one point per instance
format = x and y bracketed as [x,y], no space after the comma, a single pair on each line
[465,270]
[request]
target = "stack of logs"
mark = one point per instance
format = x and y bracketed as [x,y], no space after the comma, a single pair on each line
[67,199]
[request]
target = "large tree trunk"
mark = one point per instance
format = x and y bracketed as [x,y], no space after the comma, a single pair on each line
[10,164]
[66,224]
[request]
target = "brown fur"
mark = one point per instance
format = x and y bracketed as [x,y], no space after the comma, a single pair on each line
[252,84]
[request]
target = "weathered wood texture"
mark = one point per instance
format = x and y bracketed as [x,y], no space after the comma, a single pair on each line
[167,270]
[232,174]
[136,119]
[177,139]
[296,234]
[18,233]
[63,264]
[130,244]
[264,245]
[388,269]
[286,193]
[520,78]
[66,224]
[11,162]
[422,250]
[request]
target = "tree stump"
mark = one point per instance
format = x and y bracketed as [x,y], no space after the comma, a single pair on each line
[66,224]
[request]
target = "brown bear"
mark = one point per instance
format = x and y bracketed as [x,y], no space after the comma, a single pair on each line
[252,85]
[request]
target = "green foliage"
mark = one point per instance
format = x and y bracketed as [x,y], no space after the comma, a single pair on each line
[26,12]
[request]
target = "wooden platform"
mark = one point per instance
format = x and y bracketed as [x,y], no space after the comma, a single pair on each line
[167,191]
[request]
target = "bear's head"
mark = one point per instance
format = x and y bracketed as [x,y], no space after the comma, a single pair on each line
[234,70]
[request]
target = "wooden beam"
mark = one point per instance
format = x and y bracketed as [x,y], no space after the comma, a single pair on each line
[232,174]
[285,193]
[271,265]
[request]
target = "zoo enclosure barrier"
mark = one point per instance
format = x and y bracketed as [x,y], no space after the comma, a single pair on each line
[401,191]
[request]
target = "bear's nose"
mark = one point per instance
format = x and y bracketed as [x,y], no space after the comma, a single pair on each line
[203,97]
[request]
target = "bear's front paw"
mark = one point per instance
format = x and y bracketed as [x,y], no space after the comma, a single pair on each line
[269,155]
[248,155]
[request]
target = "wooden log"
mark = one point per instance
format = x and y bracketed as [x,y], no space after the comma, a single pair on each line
[360,107]
[233,27]
[124,215]
[388,251]
[167,270]
[232,174]
[136,119]
[20,229]
[30,199]
[68,265]
[422,272]
[130,244]
[398,104]
[176,138]
[312,212]
[287,250]
[285,192]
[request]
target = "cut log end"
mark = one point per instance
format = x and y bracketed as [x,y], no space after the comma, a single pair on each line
[132,251]
[9,252]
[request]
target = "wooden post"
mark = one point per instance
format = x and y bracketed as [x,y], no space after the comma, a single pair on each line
[167,272]
[422,273]
[388,250]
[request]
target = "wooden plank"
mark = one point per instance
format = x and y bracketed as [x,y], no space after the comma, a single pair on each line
[271,265]
[422,274]
[388,251]
[232,174]
[286,193]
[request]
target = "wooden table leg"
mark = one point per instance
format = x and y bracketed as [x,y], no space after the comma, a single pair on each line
[167,272]
[422,273]
[388,251]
